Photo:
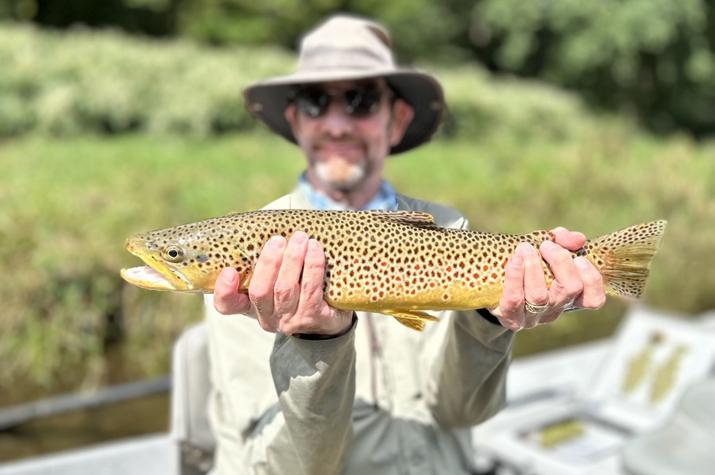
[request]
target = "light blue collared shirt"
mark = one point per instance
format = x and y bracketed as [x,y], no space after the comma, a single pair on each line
[385,199]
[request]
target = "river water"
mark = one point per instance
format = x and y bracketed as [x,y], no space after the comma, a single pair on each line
[151,414]
[83,428]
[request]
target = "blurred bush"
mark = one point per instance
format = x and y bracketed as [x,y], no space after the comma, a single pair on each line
[519,155]
[652,57]
[106,82]
[69,203]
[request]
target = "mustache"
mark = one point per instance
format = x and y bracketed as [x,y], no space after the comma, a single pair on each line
[342,140]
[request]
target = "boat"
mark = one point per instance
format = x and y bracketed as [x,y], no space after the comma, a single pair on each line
[569,411]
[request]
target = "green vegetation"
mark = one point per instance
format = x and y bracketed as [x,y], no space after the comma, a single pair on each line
[68,205]
[69,84]
[513,155]
[651,58]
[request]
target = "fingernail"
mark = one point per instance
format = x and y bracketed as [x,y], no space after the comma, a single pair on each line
[229,275]
[275,241]
[516,260]
[582,263]
[299,237]
[558,229]
[525,247]
[549,244]
[313,245]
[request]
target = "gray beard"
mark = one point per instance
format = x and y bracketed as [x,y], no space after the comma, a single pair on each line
[340,175]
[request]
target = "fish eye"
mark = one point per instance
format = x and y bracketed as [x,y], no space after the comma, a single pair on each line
[173,254]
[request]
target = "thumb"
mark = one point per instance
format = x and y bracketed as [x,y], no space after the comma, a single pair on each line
[227,299]
[571,240]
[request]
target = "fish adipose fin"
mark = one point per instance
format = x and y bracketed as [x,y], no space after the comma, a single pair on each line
[624,257]
[415,218]
[411,318]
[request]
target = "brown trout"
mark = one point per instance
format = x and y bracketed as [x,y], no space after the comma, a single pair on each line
[396,263]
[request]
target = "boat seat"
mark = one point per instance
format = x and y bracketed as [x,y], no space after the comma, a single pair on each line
[191,386]
[684,445]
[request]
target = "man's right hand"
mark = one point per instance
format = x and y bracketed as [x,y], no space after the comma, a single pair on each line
[285,293]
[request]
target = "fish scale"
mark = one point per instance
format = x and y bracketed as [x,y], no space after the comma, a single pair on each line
[398,263]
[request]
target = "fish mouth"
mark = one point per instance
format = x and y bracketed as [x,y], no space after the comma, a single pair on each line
[155,275]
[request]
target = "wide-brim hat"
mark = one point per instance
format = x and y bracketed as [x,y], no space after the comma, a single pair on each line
[350,48]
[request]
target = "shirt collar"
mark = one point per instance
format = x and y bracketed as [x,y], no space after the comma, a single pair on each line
[385,199]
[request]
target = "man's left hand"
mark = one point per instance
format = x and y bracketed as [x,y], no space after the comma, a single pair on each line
[527,301]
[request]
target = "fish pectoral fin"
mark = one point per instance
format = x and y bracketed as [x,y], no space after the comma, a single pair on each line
[411,318]
[245,279]
[415,218]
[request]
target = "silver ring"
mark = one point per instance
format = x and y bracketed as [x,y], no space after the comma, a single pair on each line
[535,309]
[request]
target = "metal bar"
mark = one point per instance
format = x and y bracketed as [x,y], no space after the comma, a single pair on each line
[20,414]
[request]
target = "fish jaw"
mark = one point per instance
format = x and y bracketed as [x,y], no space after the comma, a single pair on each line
[146,278]
[155,275]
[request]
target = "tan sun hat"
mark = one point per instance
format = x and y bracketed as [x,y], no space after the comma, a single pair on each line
[344,48]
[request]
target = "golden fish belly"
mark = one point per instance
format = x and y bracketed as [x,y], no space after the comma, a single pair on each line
[417,269]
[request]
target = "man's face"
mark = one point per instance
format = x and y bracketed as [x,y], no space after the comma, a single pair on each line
[346,130]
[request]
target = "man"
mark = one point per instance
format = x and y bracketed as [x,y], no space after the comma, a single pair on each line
[304,388]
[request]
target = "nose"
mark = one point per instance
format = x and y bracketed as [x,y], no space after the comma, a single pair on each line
[335,121]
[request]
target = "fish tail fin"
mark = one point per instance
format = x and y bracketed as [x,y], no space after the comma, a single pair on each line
[624,257]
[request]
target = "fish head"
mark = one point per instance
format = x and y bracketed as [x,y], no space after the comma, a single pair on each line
[176,259]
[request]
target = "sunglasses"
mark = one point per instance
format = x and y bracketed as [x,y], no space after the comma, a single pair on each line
[358,102]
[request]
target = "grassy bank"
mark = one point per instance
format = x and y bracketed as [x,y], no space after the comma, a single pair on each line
[68,204]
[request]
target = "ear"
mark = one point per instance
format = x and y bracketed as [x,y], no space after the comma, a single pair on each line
[291,115]
[402,114]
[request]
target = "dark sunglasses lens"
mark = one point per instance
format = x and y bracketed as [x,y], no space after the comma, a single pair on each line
[358,102]
[362,102]
[312,102]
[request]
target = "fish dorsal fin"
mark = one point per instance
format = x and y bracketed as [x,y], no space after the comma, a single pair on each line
[415,218]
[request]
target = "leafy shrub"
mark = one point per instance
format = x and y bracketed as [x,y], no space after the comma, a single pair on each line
[108,83]
[104,82]
[652,57]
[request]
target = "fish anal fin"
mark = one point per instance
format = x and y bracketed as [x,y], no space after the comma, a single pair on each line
[411,318]
[413,324]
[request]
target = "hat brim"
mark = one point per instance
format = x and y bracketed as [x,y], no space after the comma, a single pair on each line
[267,100]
